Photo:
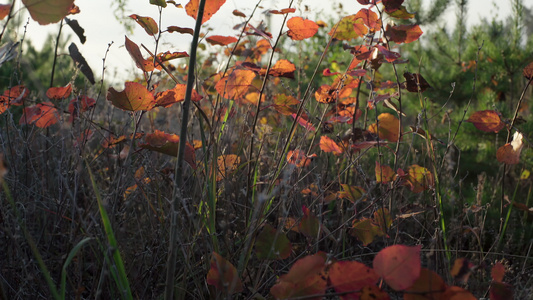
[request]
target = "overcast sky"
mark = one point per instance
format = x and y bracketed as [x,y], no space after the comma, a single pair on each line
[101,26]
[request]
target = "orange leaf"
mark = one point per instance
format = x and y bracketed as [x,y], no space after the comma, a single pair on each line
[238,13]
[384,174]
[283,11]
[304,278]
[282,68]
[328,145]
[300,29]
[181,30]
[365,230]
[398,265]
[510,152]
[48,11]
[403,33]
[168,144]
[4,10]
[298,158]
[58,93]
[486,120]
[227,164]
[41,115]
[135,53]
[221,40]
[236,85]
[223,275]
[348,28]
[461,269]
[149,25]
[177,94]
[134,97]
[419,178]
[304,123]
[389,127]
[284,104]
[346,276]
[211,7]
[15,95]
[352,193]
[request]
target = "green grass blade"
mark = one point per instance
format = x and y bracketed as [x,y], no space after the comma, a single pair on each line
[122,282]
[71,255]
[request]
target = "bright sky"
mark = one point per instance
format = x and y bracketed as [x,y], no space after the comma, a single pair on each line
[101,27]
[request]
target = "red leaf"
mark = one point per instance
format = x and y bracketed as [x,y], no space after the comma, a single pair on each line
[134,97]
[175,95]
[346,276]
[149,25]
[501,291]
[181,30]
[510,152]
[498,272]
[211,7]
[403,33]
[370,19]
[428,286]
[223,275]
[373,293]
[304,278]
[415,81]
[135,53]
[398,265]
[79,104]
[48,11]
[390,56]
[300,29]
[272,244]
[528,71]
[236,85]
[328,73]
[4,10]
[486,120]
[165,143]
[457,293]
[392,5]
[221,40]
[283,11]
[328,145]
[59,93]
[298,158]
[41,115]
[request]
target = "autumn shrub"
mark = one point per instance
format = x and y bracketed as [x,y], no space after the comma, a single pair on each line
[320,161]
